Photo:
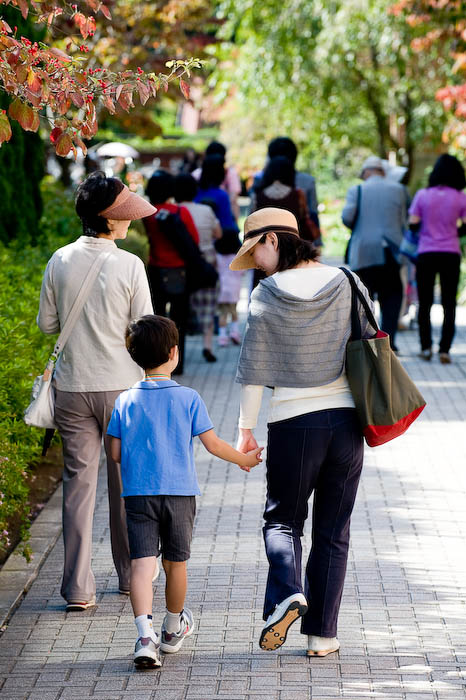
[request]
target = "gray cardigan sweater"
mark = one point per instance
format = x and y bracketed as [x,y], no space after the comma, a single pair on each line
[293,342]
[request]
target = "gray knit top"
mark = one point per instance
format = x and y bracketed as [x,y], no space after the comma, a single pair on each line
[294,342]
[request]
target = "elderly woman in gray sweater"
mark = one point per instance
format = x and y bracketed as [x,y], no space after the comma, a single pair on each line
[296,335]
[93,369]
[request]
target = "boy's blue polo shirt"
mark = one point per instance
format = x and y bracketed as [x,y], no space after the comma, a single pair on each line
[156,423]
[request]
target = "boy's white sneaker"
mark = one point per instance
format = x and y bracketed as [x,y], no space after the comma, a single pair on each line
[278,623]
[321,646]
[147,653]
[173,641]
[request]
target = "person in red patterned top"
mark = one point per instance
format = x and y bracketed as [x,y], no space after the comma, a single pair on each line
[166,268]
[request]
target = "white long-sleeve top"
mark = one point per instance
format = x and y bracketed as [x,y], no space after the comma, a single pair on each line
[95,357]
[287,402]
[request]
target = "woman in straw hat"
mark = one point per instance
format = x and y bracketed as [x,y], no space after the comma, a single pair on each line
[297,329]
[94,368]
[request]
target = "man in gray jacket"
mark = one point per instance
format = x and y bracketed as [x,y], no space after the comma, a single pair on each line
[375,211]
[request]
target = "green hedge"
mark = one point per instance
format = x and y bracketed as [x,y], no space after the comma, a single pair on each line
[25,349]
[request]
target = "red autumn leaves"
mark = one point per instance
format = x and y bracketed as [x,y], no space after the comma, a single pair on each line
[48,82]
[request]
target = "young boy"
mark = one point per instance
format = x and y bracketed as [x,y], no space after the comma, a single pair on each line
[152,428]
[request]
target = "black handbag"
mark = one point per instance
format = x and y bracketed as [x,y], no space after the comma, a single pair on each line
[172,280]
[229,243]
[199,273]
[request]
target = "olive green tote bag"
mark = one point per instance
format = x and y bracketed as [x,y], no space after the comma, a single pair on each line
[387,400]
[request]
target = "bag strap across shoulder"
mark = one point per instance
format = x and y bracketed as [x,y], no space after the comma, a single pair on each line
[79,302]
[357,295]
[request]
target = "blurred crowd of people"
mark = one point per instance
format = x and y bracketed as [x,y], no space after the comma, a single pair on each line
[203,198]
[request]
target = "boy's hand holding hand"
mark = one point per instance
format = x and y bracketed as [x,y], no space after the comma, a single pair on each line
[251,459]
[246,460]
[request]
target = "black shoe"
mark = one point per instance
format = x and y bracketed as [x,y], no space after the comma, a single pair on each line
[207,354]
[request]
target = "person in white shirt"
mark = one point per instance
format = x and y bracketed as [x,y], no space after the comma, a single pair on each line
[93,368]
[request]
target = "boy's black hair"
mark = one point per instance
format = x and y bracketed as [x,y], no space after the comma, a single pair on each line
[160,187]
[213,172]
[292,250]
[185,188]
[281,169]
[449,172]
[283,146]
[149,340]
[95,194]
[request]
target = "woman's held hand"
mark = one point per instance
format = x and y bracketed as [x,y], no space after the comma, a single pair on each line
[246,441]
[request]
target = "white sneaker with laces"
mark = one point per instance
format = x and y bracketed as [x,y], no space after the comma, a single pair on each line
[276,628]
[321,646]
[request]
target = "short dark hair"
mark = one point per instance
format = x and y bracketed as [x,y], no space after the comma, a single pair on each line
[281,169]
[283,146]
[215,148]
[95,194]
[185,188]
[213,172]
[292,250]
[160,187]
[449,172]
[149,340]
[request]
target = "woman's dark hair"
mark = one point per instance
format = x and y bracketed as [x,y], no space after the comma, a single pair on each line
[150,339]
[213,172]
[95,194]
[185,188]
[160,187]
[283,146]
[281,169]
[216,149]
[449,172]
[292,250]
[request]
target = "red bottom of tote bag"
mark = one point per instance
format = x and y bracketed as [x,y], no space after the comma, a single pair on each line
[379,434]
[386,399]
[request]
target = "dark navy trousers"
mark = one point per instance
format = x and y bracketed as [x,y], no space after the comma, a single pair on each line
[320,453]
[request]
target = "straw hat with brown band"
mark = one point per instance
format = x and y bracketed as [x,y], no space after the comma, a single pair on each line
[268,220]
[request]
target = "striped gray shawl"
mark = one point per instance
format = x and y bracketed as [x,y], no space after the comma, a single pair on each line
[296,342]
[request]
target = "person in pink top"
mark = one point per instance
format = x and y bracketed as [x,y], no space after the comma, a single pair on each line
[436,213]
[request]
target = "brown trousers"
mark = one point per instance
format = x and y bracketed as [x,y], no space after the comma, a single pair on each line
[82,419]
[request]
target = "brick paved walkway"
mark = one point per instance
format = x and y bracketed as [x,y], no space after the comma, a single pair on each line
[403,617]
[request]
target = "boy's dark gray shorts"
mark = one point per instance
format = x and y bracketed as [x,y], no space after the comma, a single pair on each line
[160,524]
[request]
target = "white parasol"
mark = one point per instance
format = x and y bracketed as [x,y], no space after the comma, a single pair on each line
[116,149]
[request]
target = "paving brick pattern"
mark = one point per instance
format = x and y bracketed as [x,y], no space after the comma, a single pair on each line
[403,617]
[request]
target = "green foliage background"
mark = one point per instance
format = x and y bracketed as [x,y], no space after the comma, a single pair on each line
[24,348]
[340,78]
[21,164]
